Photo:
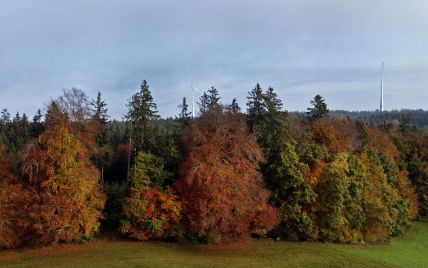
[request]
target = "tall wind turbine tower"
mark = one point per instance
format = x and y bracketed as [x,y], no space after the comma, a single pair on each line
[194,89]
[381,86]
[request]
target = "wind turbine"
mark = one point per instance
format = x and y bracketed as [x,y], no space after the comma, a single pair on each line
[381,85]
[194,89]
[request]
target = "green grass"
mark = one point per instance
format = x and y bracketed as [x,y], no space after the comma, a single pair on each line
[410,250]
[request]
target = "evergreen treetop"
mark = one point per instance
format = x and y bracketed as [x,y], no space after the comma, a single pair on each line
[319,109]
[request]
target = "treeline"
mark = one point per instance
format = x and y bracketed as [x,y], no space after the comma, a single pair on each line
[393,118]
[223,176]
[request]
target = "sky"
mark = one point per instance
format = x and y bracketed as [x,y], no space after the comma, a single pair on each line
[300,47]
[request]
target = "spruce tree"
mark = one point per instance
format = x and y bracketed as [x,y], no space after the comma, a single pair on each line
[271,101]
[99,108]
[273,118]
[142,111]
[234,106]
[255,107]
[5,117]
[100,121]
[319,109]
[203,103]
[185,115]
[213,98]
[284,172]
[37,126]
[209,100]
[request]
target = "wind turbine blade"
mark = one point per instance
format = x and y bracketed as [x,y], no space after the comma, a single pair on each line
[195,89]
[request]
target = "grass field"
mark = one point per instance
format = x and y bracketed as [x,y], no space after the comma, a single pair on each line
[410,250]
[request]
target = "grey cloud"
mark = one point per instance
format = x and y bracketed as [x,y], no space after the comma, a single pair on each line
[301,48]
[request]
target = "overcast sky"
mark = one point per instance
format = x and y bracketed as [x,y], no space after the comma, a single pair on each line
[300,47]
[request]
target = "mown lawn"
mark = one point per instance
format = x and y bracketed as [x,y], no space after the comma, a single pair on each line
[410,250]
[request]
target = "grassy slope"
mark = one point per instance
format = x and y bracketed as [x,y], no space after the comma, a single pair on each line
[408,251]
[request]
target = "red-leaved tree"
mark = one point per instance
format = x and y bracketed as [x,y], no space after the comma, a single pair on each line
[220,184]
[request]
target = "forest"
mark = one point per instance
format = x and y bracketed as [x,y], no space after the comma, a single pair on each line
[229,174]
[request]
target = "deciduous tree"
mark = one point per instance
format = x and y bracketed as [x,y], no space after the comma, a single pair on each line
[220,184]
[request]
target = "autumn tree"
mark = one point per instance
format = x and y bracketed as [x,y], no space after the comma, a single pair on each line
[7,173]
[363,193]
[342,196]
[331,134]
[414,158]
[17,202]
[149,212]
[388,207]
[11,197]
[70,198]
[74,103]
[220,185]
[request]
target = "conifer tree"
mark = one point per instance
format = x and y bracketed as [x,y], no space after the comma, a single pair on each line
[185,115]
[99,109]
[209,100]
[100,121]
[283,172]
[213,98]
[203,103]
[319,109]
[234,106]
[255,108]
[5,117]
[273,121]
[37,125]
[142,110]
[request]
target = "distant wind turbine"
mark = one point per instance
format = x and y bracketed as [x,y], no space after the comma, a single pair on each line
[381,85]
[194,89]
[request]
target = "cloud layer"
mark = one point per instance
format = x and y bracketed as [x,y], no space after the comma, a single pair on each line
[301,48]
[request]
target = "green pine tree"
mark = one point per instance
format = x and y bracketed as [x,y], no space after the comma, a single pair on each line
[319,109]
[234,107]
[142,111]
[255,107]
[185,115]
[100,121]
[209,100]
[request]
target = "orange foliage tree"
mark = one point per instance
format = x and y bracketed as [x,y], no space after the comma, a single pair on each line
[6,172]
[220,184]
[325,133]
[13,204]
[16,205]
[70,199]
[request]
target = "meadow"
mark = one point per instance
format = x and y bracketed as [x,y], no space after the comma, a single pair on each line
[409,250]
